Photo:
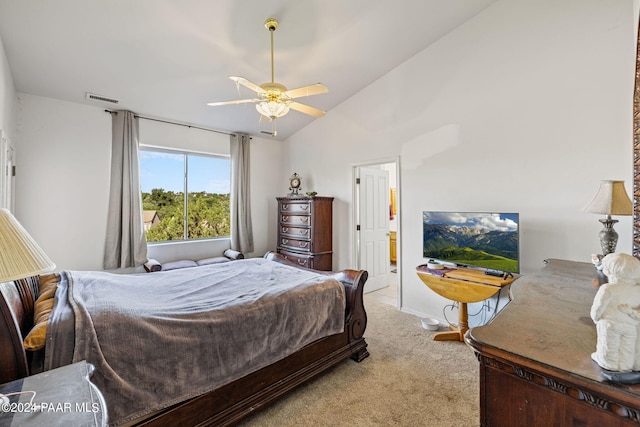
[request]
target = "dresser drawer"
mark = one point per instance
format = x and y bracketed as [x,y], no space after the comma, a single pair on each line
[295,219]
[295,232]
[299,259]
[295,207]
[314,261]
[295,244]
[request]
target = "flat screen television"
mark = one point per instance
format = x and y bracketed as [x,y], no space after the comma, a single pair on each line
[486,240]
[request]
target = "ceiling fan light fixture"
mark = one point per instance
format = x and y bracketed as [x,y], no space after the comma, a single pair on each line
[272,109]
[274,99]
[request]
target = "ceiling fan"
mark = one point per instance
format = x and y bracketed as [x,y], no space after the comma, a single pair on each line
[274,99]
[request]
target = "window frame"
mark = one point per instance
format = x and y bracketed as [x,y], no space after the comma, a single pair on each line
[185,214]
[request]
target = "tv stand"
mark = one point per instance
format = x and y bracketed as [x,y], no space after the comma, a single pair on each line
[463,285]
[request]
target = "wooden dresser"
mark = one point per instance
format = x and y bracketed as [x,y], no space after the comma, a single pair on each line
[535,356]
[305,230]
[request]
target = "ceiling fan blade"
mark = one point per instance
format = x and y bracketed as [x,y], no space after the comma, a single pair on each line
[314,89]
[237,101]
[246,83]
[312,111]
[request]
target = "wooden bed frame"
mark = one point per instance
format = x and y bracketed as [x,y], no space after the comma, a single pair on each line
[230,403]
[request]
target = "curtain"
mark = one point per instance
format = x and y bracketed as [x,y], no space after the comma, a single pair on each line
[126,244]
[241,228]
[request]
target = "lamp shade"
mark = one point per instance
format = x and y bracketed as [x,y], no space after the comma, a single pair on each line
[20,255]
[611,199]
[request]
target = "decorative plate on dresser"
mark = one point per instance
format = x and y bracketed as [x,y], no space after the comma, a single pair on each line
[305,230]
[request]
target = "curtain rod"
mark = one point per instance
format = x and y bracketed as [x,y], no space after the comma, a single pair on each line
[174,123]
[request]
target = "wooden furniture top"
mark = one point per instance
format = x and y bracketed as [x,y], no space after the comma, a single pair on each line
[547,325]
[463,284]
[66,395]
[471,275]
[303,198]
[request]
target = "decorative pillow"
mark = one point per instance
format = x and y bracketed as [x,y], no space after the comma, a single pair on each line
[37,337]
[231,254]
[214,260]
[173,265]
[152,265]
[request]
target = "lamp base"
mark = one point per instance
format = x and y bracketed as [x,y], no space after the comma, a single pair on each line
[608,236]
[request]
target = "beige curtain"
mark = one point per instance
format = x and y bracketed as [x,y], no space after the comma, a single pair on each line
[126,244]
[241,228]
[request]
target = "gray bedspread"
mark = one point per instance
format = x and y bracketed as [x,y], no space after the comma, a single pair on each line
[159,338]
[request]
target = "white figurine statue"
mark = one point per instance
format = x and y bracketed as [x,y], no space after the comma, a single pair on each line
[616,313]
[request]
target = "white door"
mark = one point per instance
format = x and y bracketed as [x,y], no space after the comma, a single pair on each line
[6,171]
[373,219]
[10,175]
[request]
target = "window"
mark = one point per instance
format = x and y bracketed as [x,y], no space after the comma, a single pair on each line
[185,195]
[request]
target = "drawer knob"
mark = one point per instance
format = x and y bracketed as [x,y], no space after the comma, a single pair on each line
[285,229]
[285,241]
[303,244]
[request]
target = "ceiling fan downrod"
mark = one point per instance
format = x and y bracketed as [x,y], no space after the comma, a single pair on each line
[271,24]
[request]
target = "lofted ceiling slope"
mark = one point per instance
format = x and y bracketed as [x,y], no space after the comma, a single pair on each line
[167,59]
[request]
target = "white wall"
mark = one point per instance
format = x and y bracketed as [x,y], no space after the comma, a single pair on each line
[62,183]
[525,108]
[8,98]
[64,154]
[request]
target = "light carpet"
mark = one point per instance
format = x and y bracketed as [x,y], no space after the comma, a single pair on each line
[408,380]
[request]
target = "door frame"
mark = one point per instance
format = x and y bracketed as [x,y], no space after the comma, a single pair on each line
[7,163]
[356,215]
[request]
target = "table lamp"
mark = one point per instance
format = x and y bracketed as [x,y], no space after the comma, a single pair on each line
[20,255]
[611,199]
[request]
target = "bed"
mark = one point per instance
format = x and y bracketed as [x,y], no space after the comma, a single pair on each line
[224,401]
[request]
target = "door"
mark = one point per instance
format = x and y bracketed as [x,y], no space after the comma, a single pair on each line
[373,219]
[6,172]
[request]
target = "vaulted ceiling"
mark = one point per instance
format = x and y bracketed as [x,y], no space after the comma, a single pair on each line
[168,58]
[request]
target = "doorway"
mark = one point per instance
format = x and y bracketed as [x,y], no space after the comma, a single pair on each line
[377,228]
[6,172]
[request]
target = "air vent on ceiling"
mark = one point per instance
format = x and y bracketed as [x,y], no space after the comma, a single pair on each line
[94,97]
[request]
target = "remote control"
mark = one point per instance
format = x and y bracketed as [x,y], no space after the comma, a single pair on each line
[493,273]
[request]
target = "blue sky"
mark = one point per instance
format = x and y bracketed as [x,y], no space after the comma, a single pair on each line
[165,170]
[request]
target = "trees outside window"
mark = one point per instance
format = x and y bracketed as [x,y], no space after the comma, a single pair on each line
[185,195]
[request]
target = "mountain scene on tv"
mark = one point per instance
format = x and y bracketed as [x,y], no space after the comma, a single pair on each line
[486,240]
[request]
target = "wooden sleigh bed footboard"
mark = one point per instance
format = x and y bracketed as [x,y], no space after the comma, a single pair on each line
[232,402]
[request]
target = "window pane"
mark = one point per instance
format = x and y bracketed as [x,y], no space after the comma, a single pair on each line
[209,188]
[208,183]
[162,186]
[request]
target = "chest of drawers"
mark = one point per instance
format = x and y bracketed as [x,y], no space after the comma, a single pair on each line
[305,230]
